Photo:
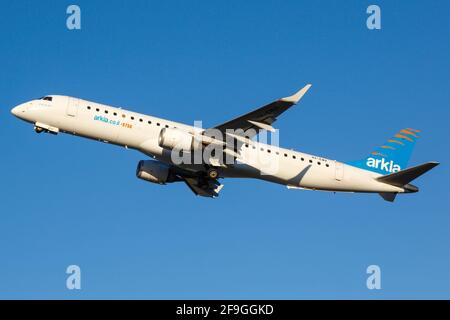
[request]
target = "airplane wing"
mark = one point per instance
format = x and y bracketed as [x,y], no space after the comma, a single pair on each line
[262,118]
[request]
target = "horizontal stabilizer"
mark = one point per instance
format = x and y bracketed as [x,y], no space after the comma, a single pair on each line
[402,178]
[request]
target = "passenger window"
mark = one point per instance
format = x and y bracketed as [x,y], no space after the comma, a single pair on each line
[115,113]
[88,107]
[132,118]
[149,122]
[294,157]
[97,109]
[140,120]
[303,159]
[123,116]
[106,111]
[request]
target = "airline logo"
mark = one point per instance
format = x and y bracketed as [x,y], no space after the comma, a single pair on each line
[382,164]
[113,122]
[106,120]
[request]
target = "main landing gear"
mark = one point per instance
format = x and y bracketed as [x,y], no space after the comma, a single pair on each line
[212,173]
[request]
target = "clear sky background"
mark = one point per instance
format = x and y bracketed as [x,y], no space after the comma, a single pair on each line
[66,200]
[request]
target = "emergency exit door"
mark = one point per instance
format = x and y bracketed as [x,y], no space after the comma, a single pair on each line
[339,171]
[72,107]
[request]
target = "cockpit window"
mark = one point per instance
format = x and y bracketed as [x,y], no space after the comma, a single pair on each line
[47,98]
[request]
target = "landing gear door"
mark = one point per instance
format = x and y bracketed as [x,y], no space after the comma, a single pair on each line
[339,171]
[72,107]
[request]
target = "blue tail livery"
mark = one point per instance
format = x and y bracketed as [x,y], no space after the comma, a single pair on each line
[391,157]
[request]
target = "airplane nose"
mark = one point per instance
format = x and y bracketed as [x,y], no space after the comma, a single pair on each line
[18,110]
[15,111]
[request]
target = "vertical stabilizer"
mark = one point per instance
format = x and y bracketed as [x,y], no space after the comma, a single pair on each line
[392,156]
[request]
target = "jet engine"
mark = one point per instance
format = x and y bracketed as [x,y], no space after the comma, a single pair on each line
[155,171]
[178,139]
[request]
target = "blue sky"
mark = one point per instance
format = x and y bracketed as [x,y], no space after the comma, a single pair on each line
[67,201]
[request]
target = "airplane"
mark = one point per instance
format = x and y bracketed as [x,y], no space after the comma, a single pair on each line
[383,171]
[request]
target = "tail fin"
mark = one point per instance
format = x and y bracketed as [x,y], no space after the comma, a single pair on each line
[391,157]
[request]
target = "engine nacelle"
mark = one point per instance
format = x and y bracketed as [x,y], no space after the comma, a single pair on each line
[153,171]
[178,139]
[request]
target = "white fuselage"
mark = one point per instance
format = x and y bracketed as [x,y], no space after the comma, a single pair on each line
[141,132]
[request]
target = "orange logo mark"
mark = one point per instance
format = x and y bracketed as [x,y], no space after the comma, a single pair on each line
[395,141]
[403,137]
[379,154]
[409,132]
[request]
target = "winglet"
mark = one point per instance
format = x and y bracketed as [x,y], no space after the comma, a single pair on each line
[296,97]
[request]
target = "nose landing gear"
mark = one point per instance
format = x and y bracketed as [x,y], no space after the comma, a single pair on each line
[38,129]
[41,127]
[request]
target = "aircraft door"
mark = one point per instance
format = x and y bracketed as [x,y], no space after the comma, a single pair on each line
[339,171]
[72,107]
